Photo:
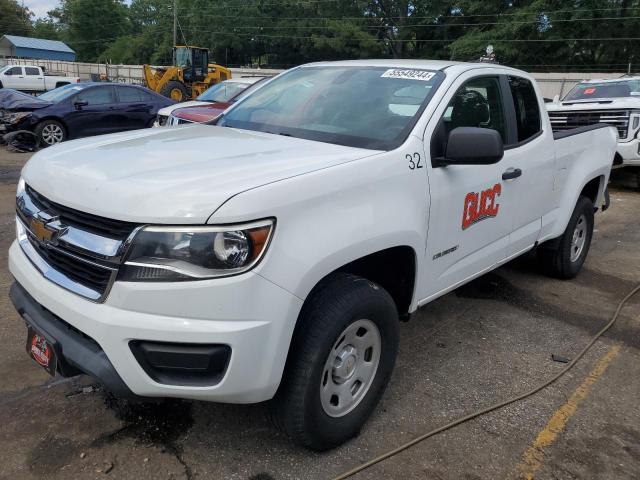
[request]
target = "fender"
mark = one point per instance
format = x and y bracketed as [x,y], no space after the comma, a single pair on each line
[331,217]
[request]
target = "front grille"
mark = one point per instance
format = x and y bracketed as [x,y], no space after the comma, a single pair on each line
[92,276]
[79,251]
[85,221]
[565,120]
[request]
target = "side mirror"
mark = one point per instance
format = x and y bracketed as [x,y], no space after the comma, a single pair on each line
[472,146]
[80,103]
[556,98]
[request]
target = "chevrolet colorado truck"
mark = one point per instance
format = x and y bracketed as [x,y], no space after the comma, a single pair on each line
[271,256]
[614,101]
[29,78]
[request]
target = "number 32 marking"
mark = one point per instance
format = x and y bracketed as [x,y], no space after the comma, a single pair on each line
[414,161]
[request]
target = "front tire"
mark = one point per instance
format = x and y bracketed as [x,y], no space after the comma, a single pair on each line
[563,258]
[176,91]
[341,359]
[50,132]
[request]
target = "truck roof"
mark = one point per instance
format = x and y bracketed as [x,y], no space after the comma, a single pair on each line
[405,63]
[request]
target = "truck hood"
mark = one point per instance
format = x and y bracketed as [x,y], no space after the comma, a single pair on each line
[622,103]
[177,175]
[16,101]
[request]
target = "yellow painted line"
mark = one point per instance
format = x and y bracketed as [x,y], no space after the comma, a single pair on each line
[534,455]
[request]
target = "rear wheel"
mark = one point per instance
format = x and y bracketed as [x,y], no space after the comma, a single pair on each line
[341,359]
[564,257]
[50,132]
[175,91]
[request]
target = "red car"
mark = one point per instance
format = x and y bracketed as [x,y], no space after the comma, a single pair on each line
[207,113]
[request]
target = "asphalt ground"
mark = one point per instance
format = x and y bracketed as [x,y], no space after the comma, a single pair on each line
[485,342]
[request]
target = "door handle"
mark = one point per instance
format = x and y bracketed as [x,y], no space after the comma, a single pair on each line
[511,173]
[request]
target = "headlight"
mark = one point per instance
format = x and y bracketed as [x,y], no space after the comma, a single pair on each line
[192,253]
[16,117]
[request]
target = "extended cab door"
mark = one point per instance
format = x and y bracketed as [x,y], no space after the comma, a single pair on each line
[529,168]
[468,229]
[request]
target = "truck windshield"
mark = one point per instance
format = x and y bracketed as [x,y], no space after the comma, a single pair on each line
[589,90]
[365,107]
[60,93]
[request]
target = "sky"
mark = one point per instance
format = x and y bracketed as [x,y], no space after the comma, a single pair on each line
[41,7]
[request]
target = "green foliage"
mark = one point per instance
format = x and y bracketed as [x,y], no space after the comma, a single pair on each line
[534,34]
[14,20]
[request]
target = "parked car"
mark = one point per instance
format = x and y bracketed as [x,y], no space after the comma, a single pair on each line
[209,111]
[220,92]
[80,110]
[615,102]
[29,78]
[271,256]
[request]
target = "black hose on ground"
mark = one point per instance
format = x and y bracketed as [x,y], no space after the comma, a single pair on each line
[496,406]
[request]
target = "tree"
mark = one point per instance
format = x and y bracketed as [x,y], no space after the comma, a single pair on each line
[91,25]
[14,19]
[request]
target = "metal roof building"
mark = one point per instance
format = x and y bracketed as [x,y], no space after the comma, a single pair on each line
[25,47]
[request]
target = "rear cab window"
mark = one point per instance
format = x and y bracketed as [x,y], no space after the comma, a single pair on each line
[32,71]
[527,109]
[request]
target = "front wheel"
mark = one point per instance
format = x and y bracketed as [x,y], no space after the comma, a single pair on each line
[565,256]
[340,362]
[50,132]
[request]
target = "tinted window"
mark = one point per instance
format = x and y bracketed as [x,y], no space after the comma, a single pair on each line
[14,71]
[526,104]
[478,103]
[96,96]
[130,95]
[368,107]
[31,71]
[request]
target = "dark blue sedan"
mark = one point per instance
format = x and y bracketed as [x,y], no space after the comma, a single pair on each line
[80,110]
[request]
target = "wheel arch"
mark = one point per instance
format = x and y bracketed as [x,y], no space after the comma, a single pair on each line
[393,268]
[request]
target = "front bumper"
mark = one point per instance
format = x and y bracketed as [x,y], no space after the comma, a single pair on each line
[630,152]
[251,315]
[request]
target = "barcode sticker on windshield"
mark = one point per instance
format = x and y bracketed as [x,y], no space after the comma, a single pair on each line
[408,74]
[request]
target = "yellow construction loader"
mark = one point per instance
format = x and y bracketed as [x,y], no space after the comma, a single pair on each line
[191,75]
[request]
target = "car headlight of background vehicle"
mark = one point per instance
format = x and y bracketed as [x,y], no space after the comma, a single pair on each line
[193,253]
[16,117]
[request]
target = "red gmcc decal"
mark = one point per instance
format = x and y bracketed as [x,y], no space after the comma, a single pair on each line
[480,206]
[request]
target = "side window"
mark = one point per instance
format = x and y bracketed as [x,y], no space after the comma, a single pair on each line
[96,96]
[32,71]
[14,71]
[478,103]
[525,102]
[129,95]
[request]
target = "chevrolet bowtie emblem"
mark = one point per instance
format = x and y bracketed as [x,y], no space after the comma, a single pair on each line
[44,231]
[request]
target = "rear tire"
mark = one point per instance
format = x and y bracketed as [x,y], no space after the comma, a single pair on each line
[563,258]
[50,132]
[175,91]
[340,361]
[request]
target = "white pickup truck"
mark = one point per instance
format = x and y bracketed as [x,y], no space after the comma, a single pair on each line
[271,256]
[32,79]
[614,101]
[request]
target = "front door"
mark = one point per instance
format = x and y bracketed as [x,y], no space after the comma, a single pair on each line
[94,112]
[468,230]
